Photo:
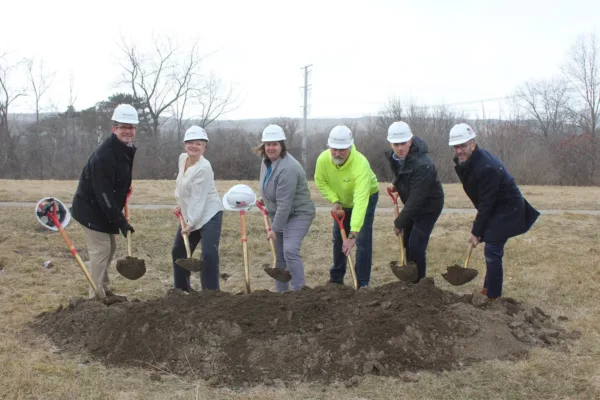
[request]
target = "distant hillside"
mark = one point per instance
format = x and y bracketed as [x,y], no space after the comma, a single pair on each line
[250,125]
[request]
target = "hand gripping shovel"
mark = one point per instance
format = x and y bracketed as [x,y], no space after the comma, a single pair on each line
[340,222]
[279,274]
[189,263]
[131,267]
[405,272]
[48,208]
[457,275]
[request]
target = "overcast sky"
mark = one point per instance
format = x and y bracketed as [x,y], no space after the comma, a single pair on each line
[363,52]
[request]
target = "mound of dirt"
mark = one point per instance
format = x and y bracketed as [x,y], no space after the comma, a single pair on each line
[322,334]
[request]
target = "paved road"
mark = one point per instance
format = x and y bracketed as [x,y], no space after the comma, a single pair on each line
[319,209]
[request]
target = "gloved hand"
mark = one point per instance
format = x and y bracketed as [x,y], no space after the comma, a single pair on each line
[126,228]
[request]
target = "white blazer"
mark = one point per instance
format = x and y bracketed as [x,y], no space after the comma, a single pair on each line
[196,193]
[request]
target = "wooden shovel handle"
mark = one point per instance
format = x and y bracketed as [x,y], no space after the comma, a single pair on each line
[340,222]
[471,247]
[268,228]
[127,218]
[245,249]
[55,220]
[186,239]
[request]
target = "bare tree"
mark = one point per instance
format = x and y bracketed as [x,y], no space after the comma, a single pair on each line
[583,72]
[8,95]
[40,81]
[391,112]
[547,102]
[161,78]
[215,99]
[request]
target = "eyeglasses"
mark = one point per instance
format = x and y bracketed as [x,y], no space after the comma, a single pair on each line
[126,127]
[461,146]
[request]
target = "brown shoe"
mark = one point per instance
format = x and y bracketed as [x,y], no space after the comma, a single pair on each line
[484,291]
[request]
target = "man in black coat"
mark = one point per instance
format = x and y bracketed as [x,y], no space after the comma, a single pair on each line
[502,211]
[101,194]
[417,183]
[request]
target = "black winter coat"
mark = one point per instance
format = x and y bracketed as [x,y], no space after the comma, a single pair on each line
[417,184]
[502,211]
[103,187]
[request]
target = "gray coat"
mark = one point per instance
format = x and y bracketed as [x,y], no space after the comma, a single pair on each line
[286,192]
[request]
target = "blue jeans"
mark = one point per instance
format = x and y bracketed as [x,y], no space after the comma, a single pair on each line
[210,234]
[364,247]
[416,238]
[494,251]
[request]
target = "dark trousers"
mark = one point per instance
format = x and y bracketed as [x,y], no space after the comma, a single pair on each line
[416,238]
[364,247]
[494,275]
[209,234]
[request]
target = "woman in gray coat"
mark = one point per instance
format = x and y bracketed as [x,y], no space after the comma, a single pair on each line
[285,194]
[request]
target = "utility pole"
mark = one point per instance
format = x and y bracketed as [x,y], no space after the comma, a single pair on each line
[305,110]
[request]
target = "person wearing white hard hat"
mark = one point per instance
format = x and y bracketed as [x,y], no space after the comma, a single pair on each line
[200,205]
[416,181]
[101,193]
[502,211]
[285,194]
[345,178]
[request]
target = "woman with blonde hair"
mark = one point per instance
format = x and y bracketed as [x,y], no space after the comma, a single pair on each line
[200,205]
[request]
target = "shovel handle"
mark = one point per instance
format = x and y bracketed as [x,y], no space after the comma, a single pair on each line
[397,212]
[340,222]
[394,200]
[52,216]
[127,218]
[402,252]
[471,247]
[245,249]
[268,228]
[186,239]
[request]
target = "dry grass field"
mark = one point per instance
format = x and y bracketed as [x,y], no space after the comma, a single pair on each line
[556,266]
[161,192]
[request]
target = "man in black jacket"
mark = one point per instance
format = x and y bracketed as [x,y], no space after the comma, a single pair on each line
[101,194]
[416,181]
[502,211]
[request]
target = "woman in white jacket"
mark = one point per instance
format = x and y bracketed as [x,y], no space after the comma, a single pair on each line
[202,210]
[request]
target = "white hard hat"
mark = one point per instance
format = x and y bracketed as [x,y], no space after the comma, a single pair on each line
[46,205]
[273,133]
[399,132]
[125,114]
[461,133]
[239,197]
[195,132]
[340,137]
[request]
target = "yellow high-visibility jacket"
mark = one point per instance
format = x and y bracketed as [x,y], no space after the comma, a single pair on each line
[351,184]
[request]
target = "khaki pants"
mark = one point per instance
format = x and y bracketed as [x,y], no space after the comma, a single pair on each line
[101,250]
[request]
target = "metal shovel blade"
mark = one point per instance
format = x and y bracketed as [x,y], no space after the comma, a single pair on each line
[132,268]
[279,274]
[406,273]
[457,275]
[190,264]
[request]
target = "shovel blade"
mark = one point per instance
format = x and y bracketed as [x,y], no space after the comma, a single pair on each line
[279,274]
[190,264]
[406,273]
[457,275]
[132,268]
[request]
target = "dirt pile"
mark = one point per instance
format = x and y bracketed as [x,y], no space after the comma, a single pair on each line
[320,334]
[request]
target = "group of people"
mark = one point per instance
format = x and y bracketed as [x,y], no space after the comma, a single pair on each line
[343,176]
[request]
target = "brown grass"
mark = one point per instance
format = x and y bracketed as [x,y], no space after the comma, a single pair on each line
[555,266]
[161,192]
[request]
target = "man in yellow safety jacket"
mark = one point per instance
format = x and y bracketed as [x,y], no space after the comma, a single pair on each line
[345,178]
